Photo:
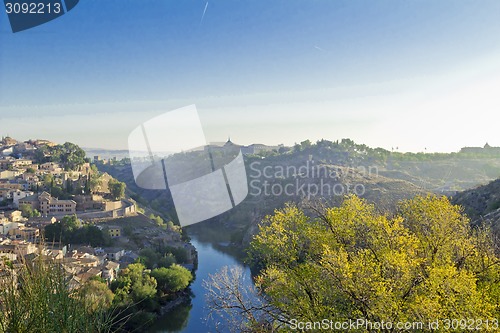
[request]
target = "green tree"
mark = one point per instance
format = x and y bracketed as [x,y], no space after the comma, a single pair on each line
[94,183]
[143,289]
[167,260]
[117,189]
[70,223]
[88,234]
[69,229]
[158,220]
[28,212]
[149,257]
[94,169]
[305,144]
[97,295]
[96,237]
[48,181]
[135,285]
[173,279]
[40,154]
[53,232]
[58,192]
[72,156]
[180,254]
[69,186]
[173,227]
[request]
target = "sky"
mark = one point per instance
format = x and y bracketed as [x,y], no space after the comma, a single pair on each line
[416,75]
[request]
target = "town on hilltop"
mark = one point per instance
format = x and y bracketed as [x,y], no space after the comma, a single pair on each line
[252,149]
[487,149]
[56,206]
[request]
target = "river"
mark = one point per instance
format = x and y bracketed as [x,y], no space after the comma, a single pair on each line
[191,317]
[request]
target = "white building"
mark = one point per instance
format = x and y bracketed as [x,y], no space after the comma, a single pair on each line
[8,226]
[17,195]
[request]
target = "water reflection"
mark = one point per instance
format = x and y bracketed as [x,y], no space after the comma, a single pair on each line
[175,321]
[191,316]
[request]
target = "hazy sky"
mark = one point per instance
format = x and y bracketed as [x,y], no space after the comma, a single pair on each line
[408,74]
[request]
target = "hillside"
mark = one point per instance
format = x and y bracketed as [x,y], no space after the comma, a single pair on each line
[482,205]
[480,201]
[326,171]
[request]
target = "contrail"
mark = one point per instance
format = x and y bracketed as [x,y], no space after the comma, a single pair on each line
[318,48]
[204,11]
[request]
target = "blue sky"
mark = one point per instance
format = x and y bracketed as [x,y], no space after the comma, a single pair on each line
[411,74]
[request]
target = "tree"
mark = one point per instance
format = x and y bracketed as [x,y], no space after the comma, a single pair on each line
[53,232]
[69,155]
[69,186]
[136,294]
[69,229]
[347,143]
[179,253]
[97,295]
[149,257]
[305,144]
[87,234]
[95,236]
[133,281]
[167,260]
[94,183]
[158,220]
[117,189]
[143,289]
[423,264]
[93,169]
[243,306]
[40,154]
[28,212]
[58,192]
[171,226]
[72,156]
[70,223]
[283,149]
[173,279]
[48,181]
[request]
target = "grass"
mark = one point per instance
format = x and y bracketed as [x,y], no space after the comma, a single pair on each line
[37,298]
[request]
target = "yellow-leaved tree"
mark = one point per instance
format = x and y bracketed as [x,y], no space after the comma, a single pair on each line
[423,263]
